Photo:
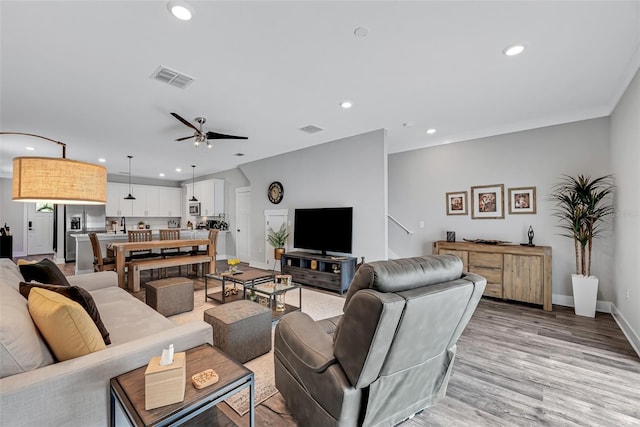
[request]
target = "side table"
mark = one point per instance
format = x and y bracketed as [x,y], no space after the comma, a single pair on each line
[127,390]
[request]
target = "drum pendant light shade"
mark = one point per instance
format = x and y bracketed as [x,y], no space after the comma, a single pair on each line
[62,181]
[58,181]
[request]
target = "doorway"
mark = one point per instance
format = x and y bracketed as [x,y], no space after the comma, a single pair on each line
[243,218]
[39,228]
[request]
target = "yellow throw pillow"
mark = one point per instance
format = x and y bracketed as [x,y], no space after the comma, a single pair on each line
[27,261]
[64,324]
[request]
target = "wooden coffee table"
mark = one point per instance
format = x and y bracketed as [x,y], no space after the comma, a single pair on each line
[127,390]
[247,277]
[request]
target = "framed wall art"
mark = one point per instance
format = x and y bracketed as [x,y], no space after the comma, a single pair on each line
[522,200]
[457,203]
[487,202]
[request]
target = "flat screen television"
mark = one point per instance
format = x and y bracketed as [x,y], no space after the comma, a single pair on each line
[323,229]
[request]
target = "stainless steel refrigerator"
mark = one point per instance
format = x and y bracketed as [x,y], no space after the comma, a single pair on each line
[81,219]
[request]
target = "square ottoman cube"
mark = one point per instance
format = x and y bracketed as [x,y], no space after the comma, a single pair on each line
[170,296]
[242,329]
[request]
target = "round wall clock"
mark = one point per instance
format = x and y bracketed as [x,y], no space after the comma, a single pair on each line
[275,192]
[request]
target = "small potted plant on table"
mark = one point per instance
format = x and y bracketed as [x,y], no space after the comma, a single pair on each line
[582,204]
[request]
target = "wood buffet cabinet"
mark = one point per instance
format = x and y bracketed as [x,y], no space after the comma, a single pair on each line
[513,272]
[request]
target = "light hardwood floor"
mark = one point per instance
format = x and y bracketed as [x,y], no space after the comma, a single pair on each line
[518,365]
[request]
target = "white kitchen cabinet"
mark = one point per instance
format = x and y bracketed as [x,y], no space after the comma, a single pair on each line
[116,204]
[169,201]
[151,201]
[146,203]
[210,195]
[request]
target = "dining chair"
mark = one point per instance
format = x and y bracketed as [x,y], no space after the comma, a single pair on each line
[213,240]
[171,234]
[100,263]
[142,236]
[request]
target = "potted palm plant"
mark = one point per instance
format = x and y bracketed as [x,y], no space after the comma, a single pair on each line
[582,204]
[278,239]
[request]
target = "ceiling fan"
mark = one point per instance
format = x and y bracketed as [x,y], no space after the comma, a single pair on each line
[200,135]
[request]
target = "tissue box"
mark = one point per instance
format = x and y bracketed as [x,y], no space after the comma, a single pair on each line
[164,385]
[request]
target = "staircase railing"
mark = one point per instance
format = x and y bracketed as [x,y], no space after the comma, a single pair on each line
[399,224]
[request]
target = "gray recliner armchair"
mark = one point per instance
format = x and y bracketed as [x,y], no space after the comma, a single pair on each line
[389,355]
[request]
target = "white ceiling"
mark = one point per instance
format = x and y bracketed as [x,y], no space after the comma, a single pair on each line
[78,72]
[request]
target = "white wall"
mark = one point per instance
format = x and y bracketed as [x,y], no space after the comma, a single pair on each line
[419,179]
[625,156]
[345,172]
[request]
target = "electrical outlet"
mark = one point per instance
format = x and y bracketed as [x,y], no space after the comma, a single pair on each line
[628,295]
[421,224]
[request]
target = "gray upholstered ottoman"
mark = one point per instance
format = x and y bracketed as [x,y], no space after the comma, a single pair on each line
[170,296]
[242,329]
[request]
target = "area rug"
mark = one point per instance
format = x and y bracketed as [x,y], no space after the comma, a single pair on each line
[318,305]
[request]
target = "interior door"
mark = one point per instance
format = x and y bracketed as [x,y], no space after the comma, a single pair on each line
[243,216]
[39,229]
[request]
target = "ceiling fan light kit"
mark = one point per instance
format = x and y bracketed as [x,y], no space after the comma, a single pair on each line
[200,135]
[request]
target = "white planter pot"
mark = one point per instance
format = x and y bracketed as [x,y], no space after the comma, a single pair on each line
[585,294]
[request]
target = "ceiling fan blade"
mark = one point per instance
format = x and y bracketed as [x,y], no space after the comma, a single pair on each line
[186,137]
[215,135]
[185,122]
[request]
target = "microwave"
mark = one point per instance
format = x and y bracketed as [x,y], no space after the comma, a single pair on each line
[194,208]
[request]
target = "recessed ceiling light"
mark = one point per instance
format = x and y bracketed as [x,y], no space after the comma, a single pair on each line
[180,10]
[102,160]
[178,170]
[346,104]
[161,174]
[30,149]
[361,32]
[431,131]
[514,49]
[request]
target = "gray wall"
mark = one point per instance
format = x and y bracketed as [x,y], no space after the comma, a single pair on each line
[419,179]
[347,172]
[625,155]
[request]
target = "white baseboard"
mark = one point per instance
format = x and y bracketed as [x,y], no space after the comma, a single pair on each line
[567,301]
[627,330]
[19,254]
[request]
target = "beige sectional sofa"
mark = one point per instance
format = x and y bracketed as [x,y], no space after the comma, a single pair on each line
[35,390]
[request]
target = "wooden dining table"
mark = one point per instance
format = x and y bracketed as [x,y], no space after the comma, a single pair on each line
[121,249]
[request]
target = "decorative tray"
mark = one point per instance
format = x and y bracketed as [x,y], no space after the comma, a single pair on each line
[486,242]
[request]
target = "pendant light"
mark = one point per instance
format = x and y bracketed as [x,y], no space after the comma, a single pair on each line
[193,185]
[130,197]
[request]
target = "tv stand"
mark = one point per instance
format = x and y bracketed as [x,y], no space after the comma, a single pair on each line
[331,272]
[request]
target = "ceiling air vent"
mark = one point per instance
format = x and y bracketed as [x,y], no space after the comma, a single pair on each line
[311,129]
[174,78]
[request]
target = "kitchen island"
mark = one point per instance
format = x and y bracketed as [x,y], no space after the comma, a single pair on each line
[84,253]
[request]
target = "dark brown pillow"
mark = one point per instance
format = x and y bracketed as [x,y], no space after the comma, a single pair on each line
[45,271]
[74,293]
